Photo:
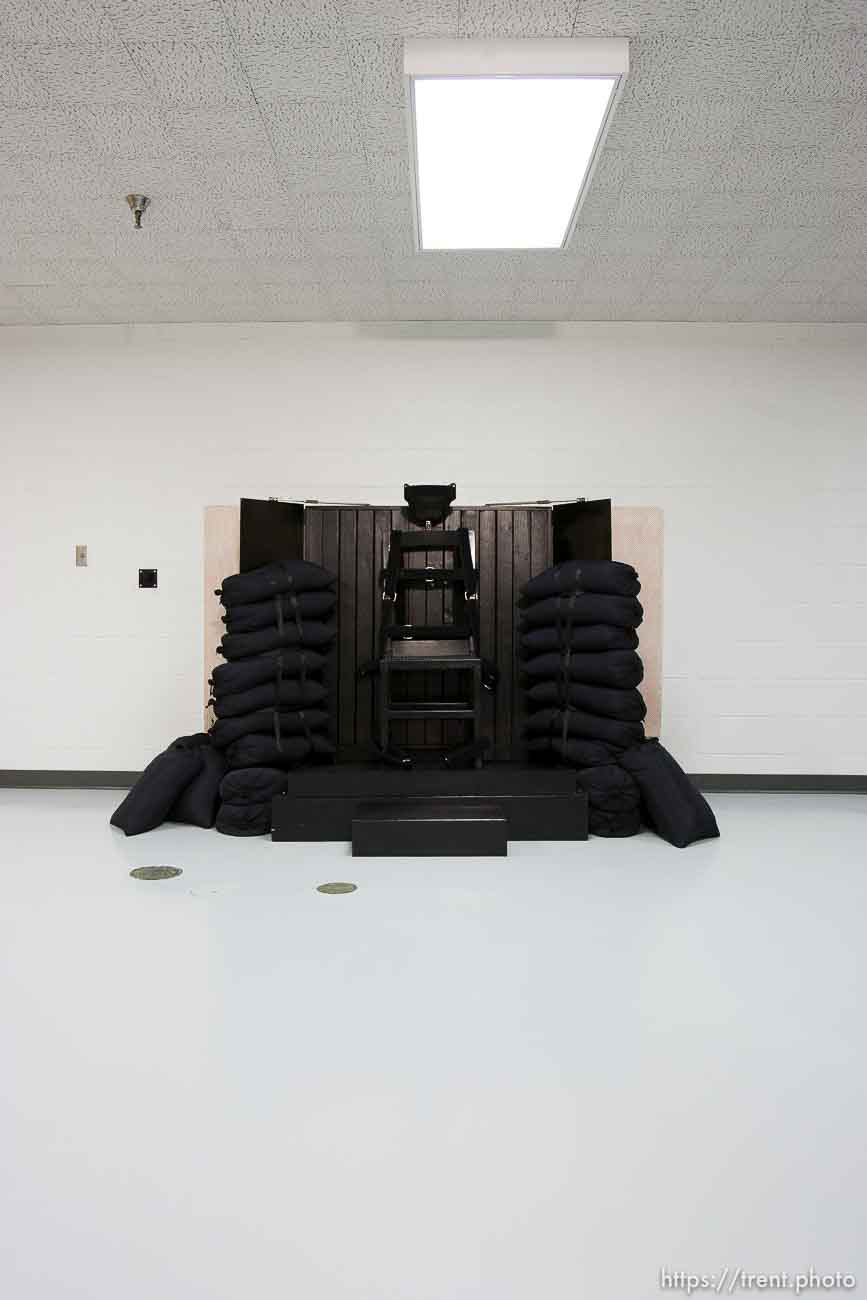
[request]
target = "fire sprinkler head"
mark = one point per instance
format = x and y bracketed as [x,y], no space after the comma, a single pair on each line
[138,203]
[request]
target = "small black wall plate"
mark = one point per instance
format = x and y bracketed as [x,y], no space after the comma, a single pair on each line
[147,577]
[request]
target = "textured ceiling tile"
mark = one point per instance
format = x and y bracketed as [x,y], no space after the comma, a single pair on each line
[110,215]
[159,245]
[45,296]
[834,168]
[817,207]
[730,18]
[766,310]
[396,223]
[19,270]
[599,241]
[673,169]
[21,315]
[51,130]
[9,296]
[828,14]
[345,242]
[32,219]
[86,73]
[389,170]
[517,17]
[52,21]
[192,73]
[756,169]
[303,70]
[695,270]
[240,212]
[423,268]
[662,289]
[277,244]
[662,309]
[618,270]
[410,296]
[57,244]
[771,241]
[721,311]
[276,270]
[616,293]
[668,67]
[784,124]
[310,23]
[851,293]
[229,129]
[401,17]
[705,240]
[336,210]
[730,207]
[788,290]
[21,85]
[651,207]
[16,178]
[158,20]
[88,270]
[308,175]
[585,309]
[121,128]
[75,314]
[686,122]
[598,207]
[254,175]
[553,300]
[297,301]
[313,129]
[377,71]
[830,65]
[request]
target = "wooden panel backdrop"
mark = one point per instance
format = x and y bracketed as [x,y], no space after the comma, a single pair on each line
[511,545]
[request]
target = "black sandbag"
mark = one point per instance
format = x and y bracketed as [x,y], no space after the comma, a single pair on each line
[246,673]
[614,825]
[253,784]
[585,608]
[574,752]
[263,751]
[244,818]
[607,577]
[620,668]
[159,787]
[583,638]
[607,701]
[295,722]
[671,804]
[270,613]
[197,805]
[588,725]
[241,645]
[609,788]
[292,693]
[272,580]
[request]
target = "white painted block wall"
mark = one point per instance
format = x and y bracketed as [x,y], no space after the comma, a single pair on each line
[753,439]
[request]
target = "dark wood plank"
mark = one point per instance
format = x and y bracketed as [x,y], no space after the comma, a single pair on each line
[521,570]
[313,534]
[504,633]
[365,594]
[331,561]
[346,630]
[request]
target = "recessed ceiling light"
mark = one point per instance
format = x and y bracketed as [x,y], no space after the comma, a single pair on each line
[504,136]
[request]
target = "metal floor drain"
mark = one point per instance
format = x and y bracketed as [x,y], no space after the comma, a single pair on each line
[337,887]
[155,873]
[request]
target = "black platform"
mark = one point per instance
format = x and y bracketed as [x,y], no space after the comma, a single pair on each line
[537,803]
[429,828]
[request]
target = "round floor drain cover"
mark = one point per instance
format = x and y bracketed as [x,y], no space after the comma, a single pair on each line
[337,887]
[155,873]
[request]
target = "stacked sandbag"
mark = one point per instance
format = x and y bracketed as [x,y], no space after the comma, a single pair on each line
[180,785]
[269,699]
[581,673]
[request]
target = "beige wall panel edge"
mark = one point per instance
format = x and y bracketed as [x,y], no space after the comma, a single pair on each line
[637,537]
[222,556]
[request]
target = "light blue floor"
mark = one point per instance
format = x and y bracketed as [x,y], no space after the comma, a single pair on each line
[538,1078]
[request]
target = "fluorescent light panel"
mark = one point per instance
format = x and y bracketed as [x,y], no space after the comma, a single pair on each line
[504,135]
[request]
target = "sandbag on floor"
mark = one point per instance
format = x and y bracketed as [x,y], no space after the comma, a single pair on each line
[607,577]
[291,692]
[574,752]
[232,678]
[671,804]
[270,613]
[244,818]
[583,638]
[620,668]
[614,825]
[241,645]
[587,725]
[274,579]
[263,751]
[584,608]
[197,805]
[297,722]
[607,701]
[253,785]
[609,788]
[160,786]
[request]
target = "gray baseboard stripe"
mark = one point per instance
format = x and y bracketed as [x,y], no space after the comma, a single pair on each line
[710,782]
[44,780]
[723,781]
